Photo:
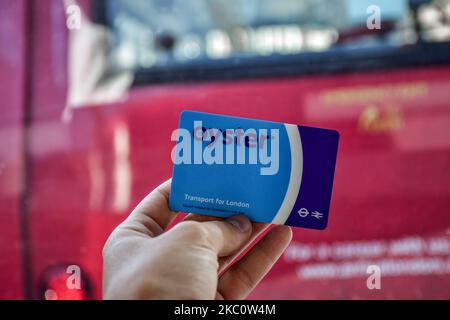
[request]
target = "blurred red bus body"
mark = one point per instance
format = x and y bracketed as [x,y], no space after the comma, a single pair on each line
[65,185]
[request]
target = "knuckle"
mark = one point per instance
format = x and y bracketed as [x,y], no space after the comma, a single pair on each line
[193,230]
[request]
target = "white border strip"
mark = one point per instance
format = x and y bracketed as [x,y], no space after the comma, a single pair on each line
[295,178]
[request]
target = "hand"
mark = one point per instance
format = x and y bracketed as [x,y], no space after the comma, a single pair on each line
[141,261]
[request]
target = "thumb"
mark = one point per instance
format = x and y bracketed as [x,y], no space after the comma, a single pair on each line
[223,237]
[228,236]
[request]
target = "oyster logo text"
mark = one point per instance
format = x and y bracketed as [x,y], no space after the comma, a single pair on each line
[214,146]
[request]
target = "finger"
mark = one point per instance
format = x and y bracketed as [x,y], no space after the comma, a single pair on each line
[152,214]
[238,281]
[227,236]
[201,218]
[258,229]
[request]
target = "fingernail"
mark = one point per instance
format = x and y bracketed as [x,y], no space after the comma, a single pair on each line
[240,222]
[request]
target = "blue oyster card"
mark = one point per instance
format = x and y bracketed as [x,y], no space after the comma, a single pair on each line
[271,172]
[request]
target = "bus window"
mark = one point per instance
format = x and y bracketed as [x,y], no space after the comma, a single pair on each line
[181,36]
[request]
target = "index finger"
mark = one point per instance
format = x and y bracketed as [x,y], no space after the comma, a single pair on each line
[152,215]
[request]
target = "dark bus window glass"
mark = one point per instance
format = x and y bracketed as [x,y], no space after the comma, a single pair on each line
[166,33]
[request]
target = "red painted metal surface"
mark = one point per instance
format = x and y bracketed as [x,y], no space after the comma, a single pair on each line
[12,94]
[391,194]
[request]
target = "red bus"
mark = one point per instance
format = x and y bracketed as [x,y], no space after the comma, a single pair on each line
[91,91]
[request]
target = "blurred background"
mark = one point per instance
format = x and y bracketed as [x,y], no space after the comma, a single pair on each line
[91,90]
